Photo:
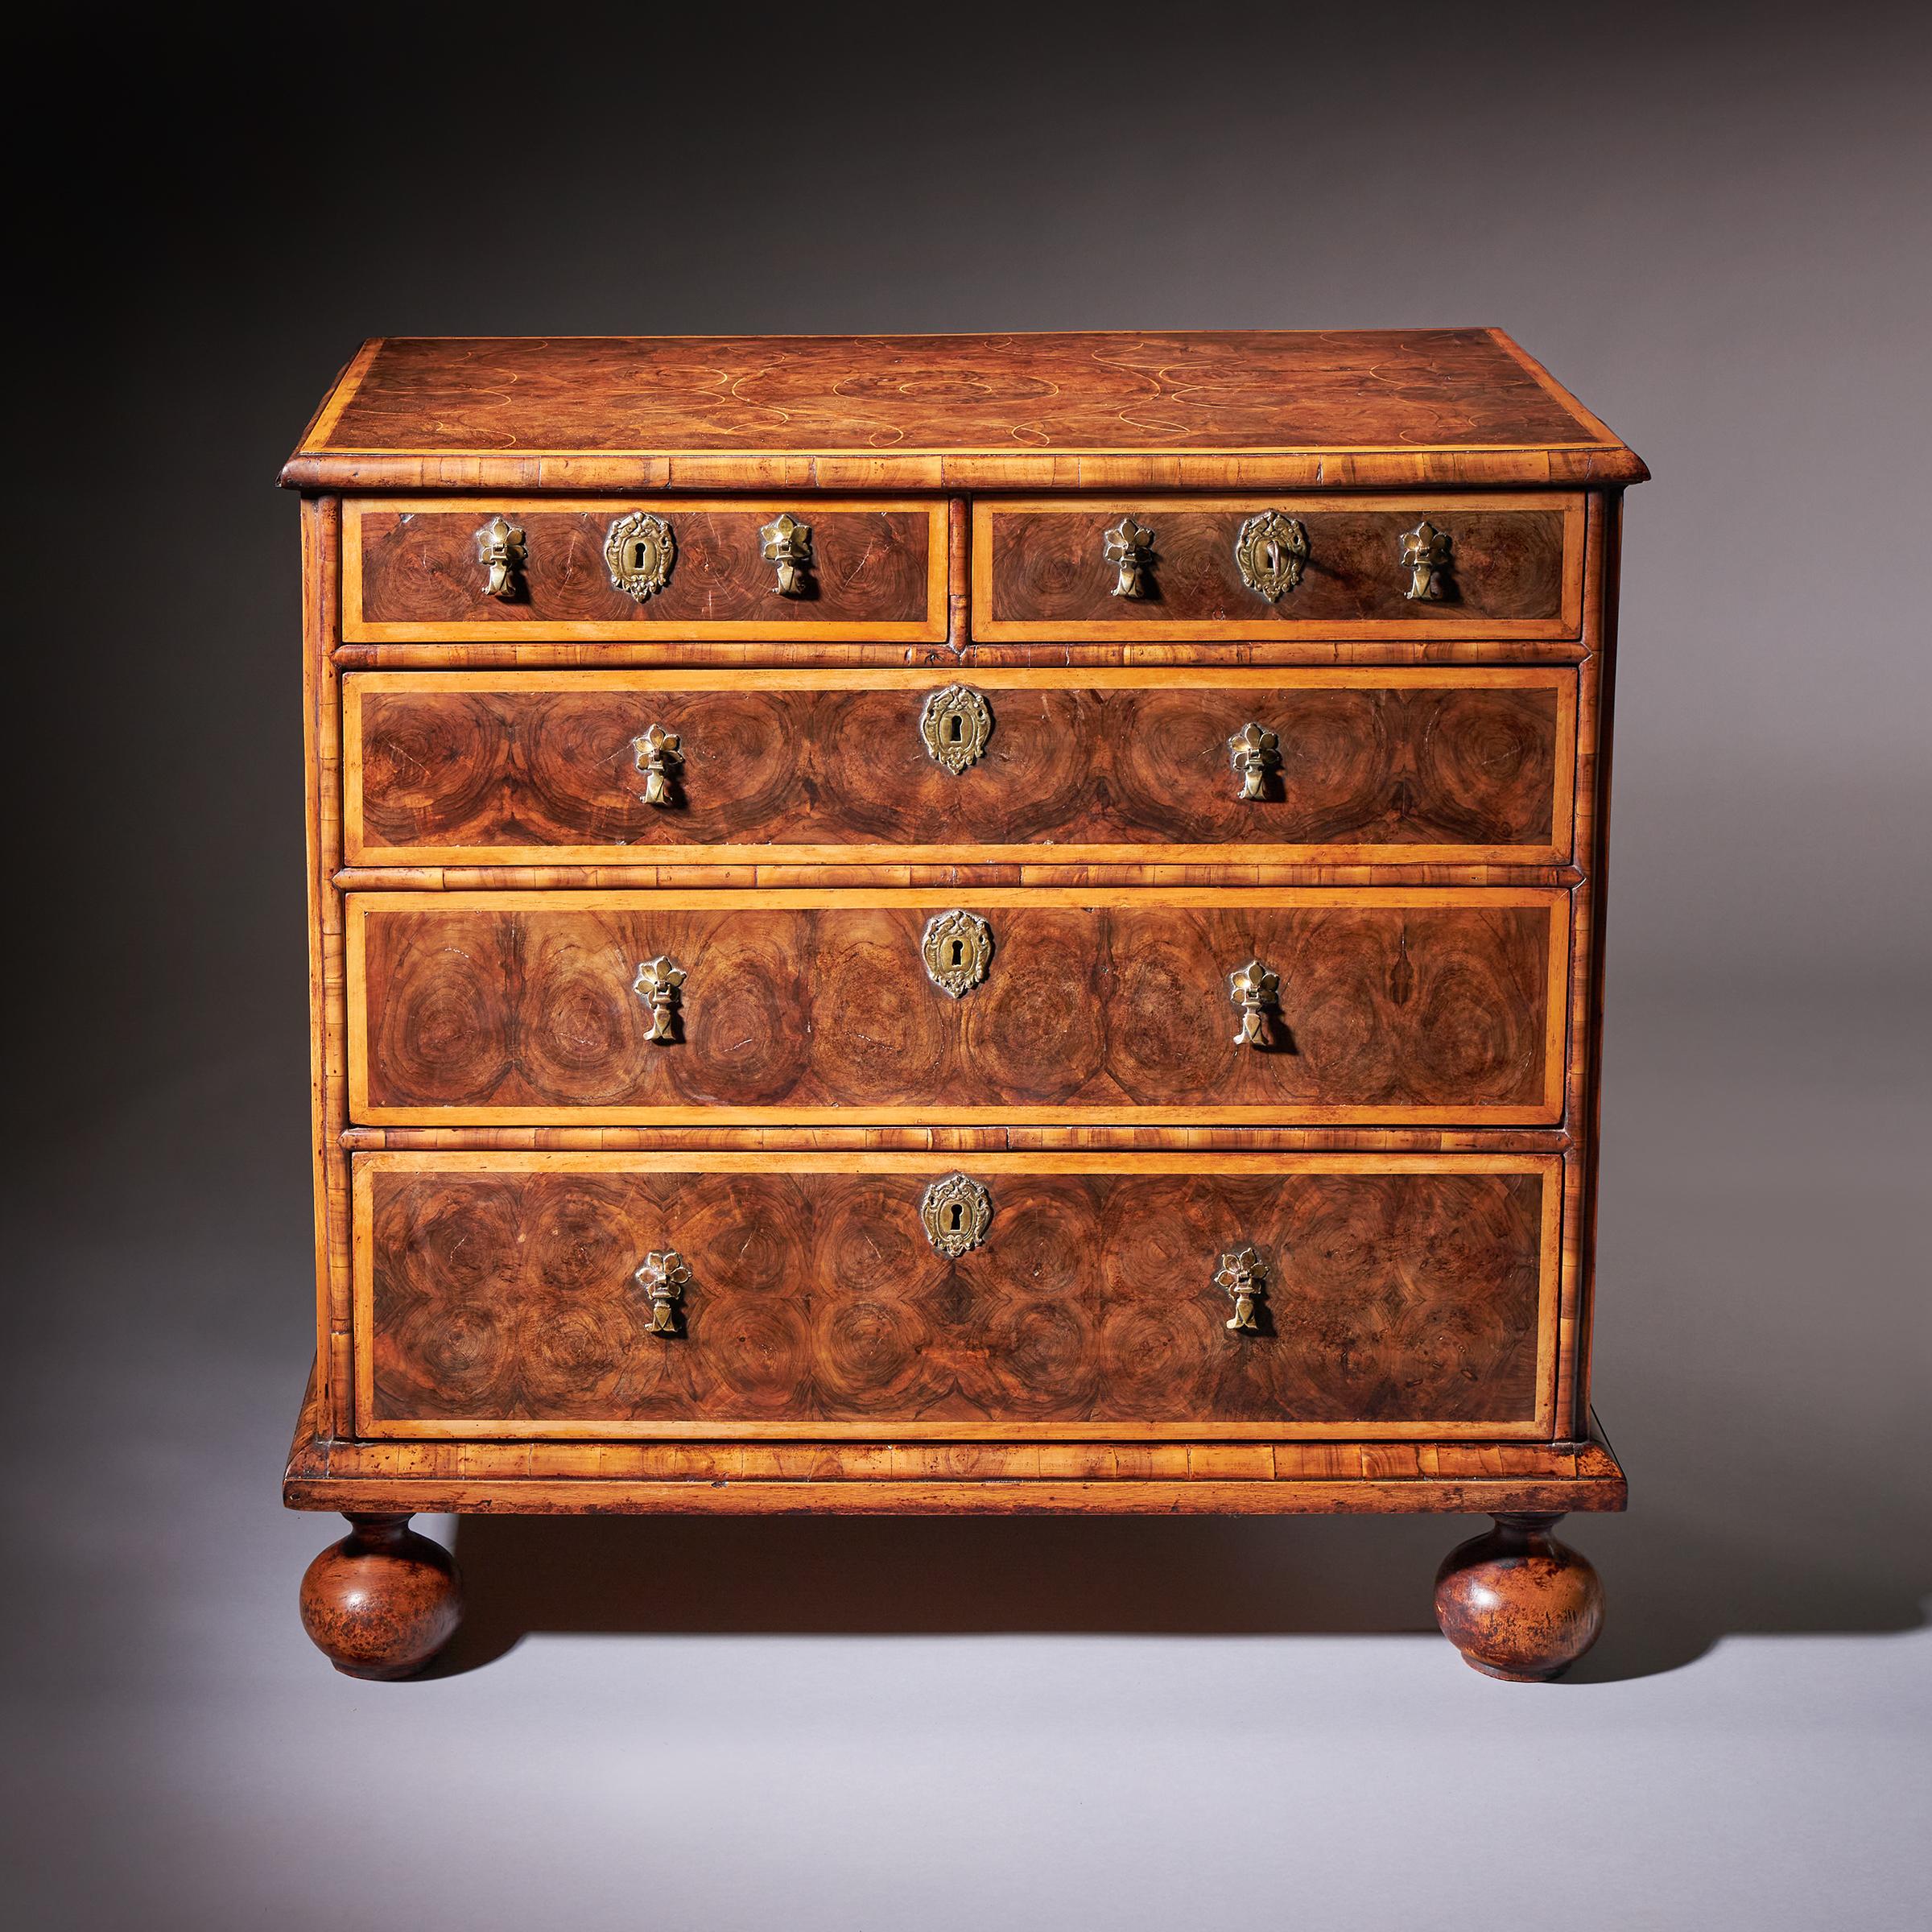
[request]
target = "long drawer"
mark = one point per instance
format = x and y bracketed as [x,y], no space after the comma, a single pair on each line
[1369,767]
[800,1295]
[454,570]
[1227,568]
[1290,1005]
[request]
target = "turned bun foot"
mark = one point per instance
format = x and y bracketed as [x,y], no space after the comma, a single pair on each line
[383,1601]
[1517,1602]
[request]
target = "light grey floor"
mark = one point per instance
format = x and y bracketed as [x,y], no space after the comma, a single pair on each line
[928,1726]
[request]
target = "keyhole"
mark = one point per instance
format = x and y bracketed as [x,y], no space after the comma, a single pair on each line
[954,728]
[959,1217]
[959,955]
[636,555]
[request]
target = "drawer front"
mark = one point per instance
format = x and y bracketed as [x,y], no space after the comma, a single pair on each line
[1361,767]
[1385,1006]
[772,1294]
[1206,567]
[457,570]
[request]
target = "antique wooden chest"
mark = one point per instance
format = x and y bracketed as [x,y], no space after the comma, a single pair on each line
[956,923]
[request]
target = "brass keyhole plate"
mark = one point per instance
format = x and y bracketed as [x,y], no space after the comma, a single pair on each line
[955,1213]
[957,948]
[955,724]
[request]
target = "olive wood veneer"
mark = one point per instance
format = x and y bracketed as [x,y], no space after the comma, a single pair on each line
[1406,1005]
[1372,768]
[1346,1267]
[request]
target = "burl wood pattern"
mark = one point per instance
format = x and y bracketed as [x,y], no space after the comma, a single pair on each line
[384,1601]
[1393,1298]
[1517,1602]
[418,566]
[1211,391]
[1049,565]
[475,768]
[1387,1006]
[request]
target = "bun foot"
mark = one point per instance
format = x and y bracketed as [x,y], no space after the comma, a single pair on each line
[382,1602]
[1517,1604]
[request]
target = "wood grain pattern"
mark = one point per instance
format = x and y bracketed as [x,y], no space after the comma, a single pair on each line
[1401,1296]
[566,1475]
[1041,569]
[411,572]
[1397,1006]
[1007,411]
[830,766]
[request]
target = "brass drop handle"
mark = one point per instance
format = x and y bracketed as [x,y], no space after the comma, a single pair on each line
[664,1276]
[787,543]
[1253,989]
[1129,546]
[1243,1277]
[1424,556]
[657,983]
[500,549]
[657,751]
[1269,553]
[1254,751]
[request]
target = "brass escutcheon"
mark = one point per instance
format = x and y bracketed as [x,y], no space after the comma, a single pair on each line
[956,1212]
[664,1277]
[1243,1277]
[1270,552]
[1253,751]
[1424,556]
[1253,989]
[955,724]
[656,983]
[657,751]
[787,543]
[638,551]
[957,948]
[1129,546]
[500,549]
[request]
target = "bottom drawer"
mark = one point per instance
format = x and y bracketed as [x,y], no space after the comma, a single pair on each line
[887,1296]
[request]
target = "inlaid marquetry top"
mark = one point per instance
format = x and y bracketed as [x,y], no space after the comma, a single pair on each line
[1186,411]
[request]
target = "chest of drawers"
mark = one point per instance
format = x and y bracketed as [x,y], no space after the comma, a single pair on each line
[955,924]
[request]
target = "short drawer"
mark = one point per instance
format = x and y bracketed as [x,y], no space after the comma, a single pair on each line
[1207,567]
[1365,767]
[1293,1005]
[458,570]
[1119,1297]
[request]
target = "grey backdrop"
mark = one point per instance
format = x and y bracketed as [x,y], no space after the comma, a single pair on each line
[1713,226]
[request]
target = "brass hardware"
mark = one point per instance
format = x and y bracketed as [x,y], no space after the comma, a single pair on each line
[499,547]
[657,751]
[1253,989]
[956,1212]
[955,724]
[958,946]
[638,551]
[1424,556]
[658,981]
[664,1277]
[787,543]
[1129,548]
[1253,751]
[1270,552]
[1243,1276]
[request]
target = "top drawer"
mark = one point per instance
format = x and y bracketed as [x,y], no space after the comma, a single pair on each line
[1209,568]
[457,570]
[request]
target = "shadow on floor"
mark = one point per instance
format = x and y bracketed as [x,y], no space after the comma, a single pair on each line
[1669,1600]
[1759,1355]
